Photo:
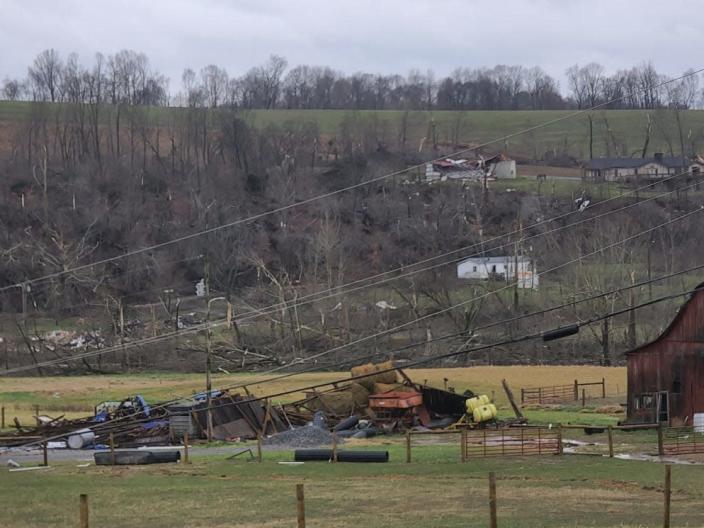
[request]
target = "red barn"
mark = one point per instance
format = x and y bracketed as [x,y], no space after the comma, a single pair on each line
[666,376]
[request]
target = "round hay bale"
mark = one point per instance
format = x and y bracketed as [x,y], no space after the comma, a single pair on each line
[370,371]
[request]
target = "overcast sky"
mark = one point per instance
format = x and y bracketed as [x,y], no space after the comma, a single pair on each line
[376,36]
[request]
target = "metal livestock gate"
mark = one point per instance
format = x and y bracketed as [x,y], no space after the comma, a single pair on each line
[681,441]
[512,441]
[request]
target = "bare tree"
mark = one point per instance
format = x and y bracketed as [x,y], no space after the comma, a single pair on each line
[13,89]
[215,83]
[586,83]
[45,75]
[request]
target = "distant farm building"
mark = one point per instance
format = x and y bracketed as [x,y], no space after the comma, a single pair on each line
[500,268]
[496,167]
[666,376]
[654,168]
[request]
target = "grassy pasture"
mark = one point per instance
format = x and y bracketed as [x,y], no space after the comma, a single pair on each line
[434,491]
[625,127]
[549,491]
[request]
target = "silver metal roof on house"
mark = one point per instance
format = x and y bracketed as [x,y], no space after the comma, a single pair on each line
[483,261]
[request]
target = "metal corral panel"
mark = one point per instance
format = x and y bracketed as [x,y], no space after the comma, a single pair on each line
[178,425]
[180,421]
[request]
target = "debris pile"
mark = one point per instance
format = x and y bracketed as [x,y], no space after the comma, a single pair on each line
[382,398]
[132,423]
[377,399]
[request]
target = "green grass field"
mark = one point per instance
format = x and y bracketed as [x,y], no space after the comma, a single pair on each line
[625,128]
[434,491]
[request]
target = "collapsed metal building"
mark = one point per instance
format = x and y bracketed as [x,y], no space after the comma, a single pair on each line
[666,376]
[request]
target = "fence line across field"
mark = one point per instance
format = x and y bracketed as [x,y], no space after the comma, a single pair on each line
[84,512]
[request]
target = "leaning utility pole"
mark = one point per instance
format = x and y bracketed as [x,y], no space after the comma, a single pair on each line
[24,287]
[125,353]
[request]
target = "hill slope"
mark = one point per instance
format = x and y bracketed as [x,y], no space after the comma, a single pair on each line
[615,132]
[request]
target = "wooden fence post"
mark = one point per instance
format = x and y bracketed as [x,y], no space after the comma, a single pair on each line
[2,417]
[463,445]
[185,448]
[83,505]
[668,494]
[301,506]
[603,387]
[576,390]
[334,447]
[540,395]
[559,440]
[523,396]
[112,449]
[661,443]
[408,447]
[492,500]
[611,441]
[45,453]
[584,397]
[259,448]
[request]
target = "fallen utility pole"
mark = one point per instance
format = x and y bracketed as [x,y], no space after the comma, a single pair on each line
[509,395]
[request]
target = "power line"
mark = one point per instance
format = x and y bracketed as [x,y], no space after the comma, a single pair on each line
[112,425]
[335,192]
[338,290]
[464,303]
[464,350]
[313,297]
[272,308]
[362,339]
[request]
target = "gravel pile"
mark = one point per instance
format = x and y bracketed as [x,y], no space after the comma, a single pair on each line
[306,436]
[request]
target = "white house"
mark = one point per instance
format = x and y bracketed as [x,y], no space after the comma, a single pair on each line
[501,167]
[500,268]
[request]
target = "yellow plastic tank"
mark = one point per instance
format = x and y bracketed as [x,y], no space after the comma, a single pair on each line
[484,413]
[477,401]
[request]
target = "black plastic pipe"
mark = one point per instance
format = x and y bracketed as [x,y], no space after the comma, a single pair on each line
[325,455]
[347,423]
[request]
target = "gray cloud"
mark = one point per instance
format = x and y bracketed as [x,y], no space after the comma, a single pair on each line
[386,36]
